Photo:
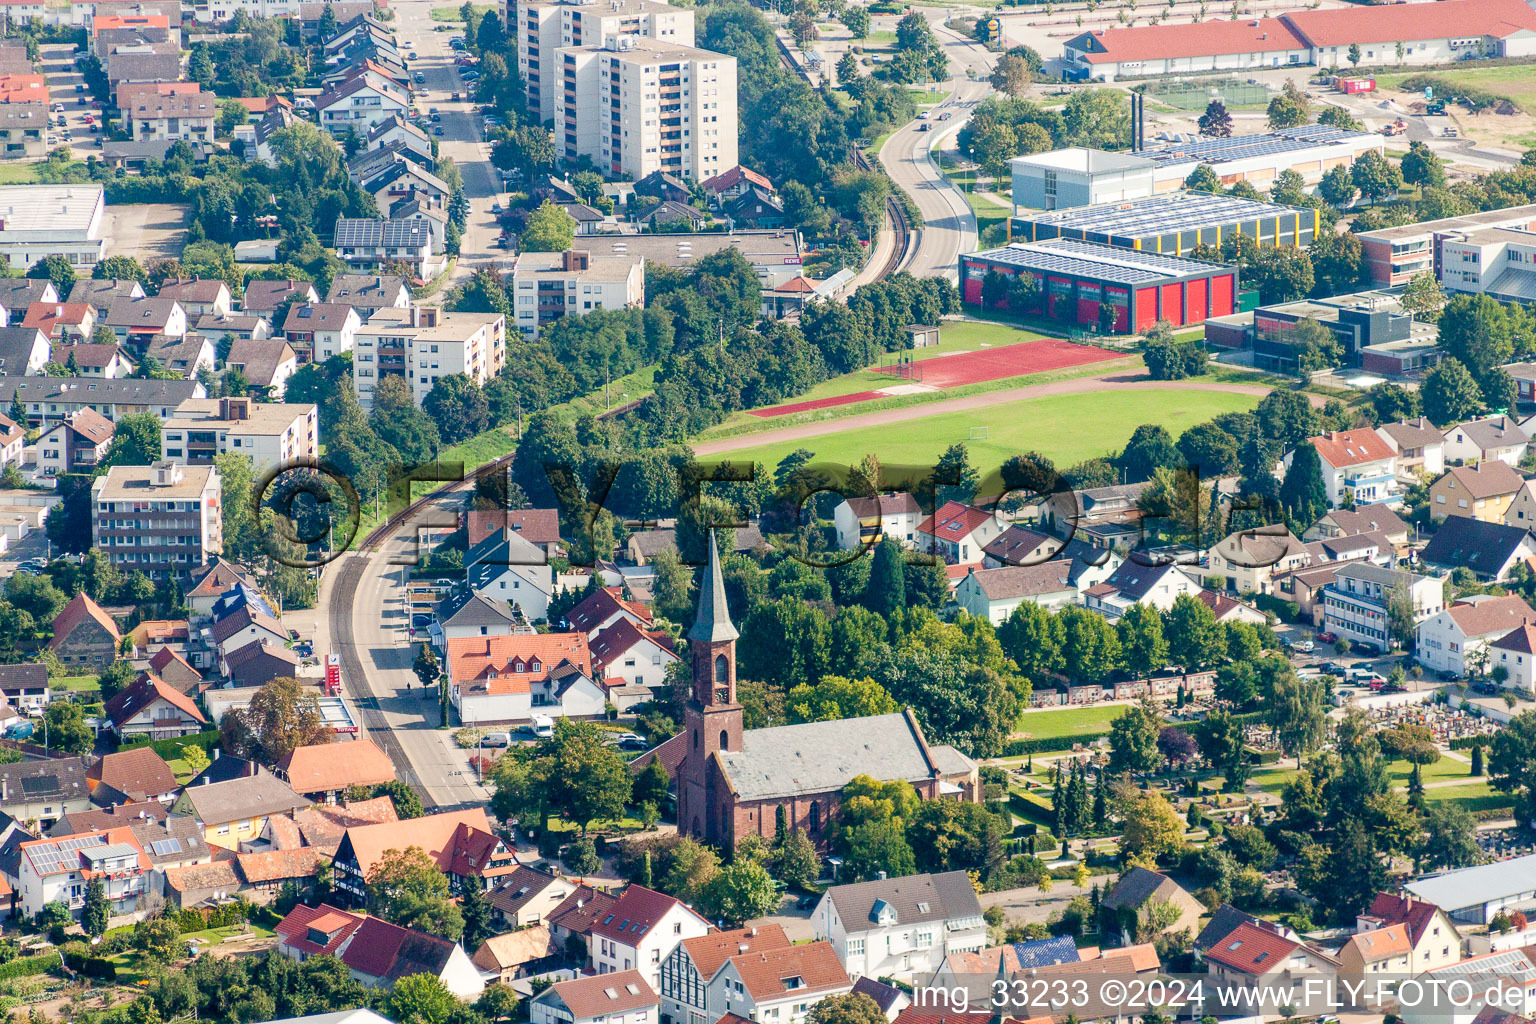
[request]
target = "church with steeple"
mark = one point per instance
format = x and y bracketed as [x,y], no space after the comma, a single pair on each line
[732,782]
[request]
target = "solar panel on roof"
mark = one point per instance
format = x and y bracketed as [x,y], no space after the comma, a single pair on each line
[163,847]
[40,785]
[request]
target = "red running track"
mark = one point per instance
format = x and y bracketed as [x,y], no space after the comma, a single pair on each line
[970,368]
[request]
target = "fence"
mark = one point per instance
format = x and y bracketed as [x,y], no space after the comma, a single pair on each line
[1195,95]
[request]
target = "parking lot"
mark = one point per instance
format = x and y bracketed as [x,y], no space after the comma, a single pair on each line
[66,88]
[147,231]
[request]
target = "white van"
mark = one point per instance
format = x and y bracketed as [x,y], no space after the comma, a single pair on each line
[543,726]
[496,739]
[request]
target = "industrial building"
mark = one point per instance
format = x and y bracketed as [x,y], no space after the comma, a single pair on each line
[1085,177]
[1499,262]
[1073,278]
[1407,34]
[1395,256]
[38,221]
[1171,224]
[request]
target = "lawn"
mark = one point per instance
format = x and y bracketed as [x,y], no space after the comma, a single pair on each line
[1514,81]
[1065,723]
[1440,771]
[1473,797]
[452,13]
[17,174]
[878,39]
[74,684]
[1067,428]
[1273,780]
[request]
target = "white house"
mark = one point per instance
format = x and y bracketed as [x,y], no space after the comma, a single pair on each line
[639,657]
[512,678]
[1515,653]
[993,594]
[640,931]
[361,103]
[864,522]
[60,869]
[1135,582]
[1357,604]
[375,952]
[901,927]
[957,532]
[688,971]
[507,566]
[1420,447]
[779,985]
[1453,639]
[1498,437]
[624,998]
[1246,562]
[319,330]
[1357,461]
[245,625]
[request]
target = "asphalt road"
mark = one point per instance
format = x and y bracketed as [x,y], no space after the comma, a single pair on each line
[949,226]
[61,75]
[462,140]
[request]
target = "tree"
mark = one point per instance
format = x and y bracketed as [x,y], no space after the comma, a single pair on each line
[795,861]
[64,728]
[1450,394]
[407,887]
[1422,167]
[157,938]
[1133,739]
[1011,75]
[115,678]
[426,665]
[119,268]
[871,847]
[1203,179]
[54,268]
[1375,176]
[739,893]
[1423,297]
[1195,638]
[1216,121]
[135,441]
[885,594]
[1286,112]
[479,920]
[96,912]
[837,697]
[497,1003]
[1176,745]
[578,776]
[1511,764]
[1337,187]
[1303,493]
[1097,118]
[549,229]
[1150,447]
[458,406]
[1345,876]
[849,1008]
[282,716]
[1090,649]
[1295,710]
[1150,827]
[422,998]
[581,856]
[1142,646]
[1032,638]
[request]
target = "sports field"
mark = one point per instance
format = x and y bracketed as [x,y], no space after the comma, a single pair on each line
[1067,427]
[937,373]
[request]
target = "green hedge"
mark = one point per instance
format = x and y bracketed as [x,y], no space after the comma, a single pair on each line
[1032,808]
[1468,742]
[1040,745]
[26,966]
[171,749]
[1285,611]
[92,966]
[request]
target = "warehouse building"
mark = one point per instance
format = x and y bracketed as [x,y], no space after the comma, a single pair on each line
[38,221]
[1171,224]
[1395,256]
[1073,278]
[1085,177]
[1407,34]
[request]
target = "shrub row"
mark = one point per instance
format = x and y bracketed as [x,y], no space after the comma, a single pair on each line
[171,749]
[26,966]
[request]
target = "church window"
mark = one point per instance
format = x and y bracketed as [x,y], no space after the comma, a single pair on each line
[725,740]
[722,669]
[695,739]
[815,816]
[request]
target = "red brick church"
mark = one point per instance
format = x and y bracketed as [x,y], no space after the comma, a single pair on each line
[732,782]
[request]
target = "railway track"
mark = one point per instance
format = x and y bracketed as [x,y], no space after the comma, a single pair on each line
[900,226]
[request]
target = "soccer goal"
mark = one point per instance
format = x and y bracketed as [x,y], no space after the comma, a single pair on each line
[979,433]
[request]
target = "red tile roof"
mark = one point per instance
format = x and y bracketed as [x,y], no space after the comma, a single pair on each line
[577,912]
[1415,913]
[604,994]
[388,951]
[45,316]
[323,767]
[601,606]
[1413,21]
[138,774]
[767,974]
[338,925]
[1341,448]
[1154,42]
[1521,639]
[436,834]
[618,639]
[511,664]
[954,521]
[535,525]
[1252,950]
[280,865]
[79,609]
[710,952]
[145,691]
[637,911]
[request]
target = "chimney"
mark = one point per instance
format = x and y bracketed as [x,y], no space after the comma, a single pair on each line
[741,948]
[882,876]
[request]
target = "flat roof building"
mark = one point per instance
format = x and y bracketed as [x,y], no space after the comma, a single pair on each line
[162,519]
[1073,278]
[38,221]
[267,433]
[1396,255]
[573,282]
[773,253]
[1490,261]
[1172,224]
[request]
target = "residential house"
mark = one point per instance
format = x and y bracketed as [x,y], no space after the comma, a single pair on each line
[625,652]
[623,998]
[1102,516]
[62,322]
[366,244]
[177,117]
[900,927]
[538,526]
[60,870]
[1358,604]
[23,351]
[175,670]
[244,625]
[265,363]
[210,582]
[234,326]
[1358,462]
[1434,940]
[137,322]
[323,772]
[397,132]
[604,608]
[1420,448]
[513,678]
[13,437]
[318,330]
[1455,639]
[257,663]
[863,522]
[754,209]
[24,685]
[44,791]
[1497,437]
[1138,890]
[778,984]
[688,973]
[507,957]
[640,931]
[993,594]
[1514,654]
[1137,583]
[1485,491]
[734,183]
[465,613]
[369,293]
[24,130]
[1264,964]
[527,896]
[84,635]
[264,298]
[105,361]
[1490,551]
[664,186]
[1228,609]
[360,103]
[131,776]
[18,293]
[187,355]
[958,532]
[236,811]
[99,294]
[1351,522]
[375,952]
[506,566]
[1246,562]
[150,707]
[460,842]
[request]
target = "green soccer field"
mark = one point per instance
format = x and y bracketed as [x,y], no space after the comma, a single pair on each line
[1068,428]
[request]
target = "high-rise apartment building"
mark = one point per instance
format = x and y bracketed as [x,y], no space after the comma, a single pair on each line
[636,105]
[162,519]
[424,344]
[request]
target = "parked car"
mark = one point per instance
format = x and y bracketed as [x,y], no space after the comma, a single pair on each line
[1327,638]
[496,739]
[1304,646]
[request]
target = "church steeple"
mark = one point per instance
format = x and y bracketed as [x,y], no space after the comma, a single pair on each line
[713,622]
